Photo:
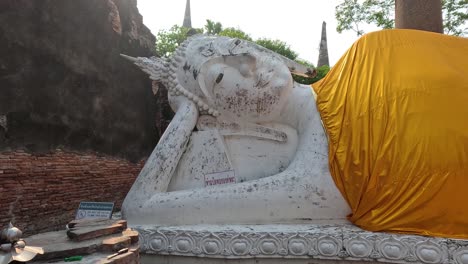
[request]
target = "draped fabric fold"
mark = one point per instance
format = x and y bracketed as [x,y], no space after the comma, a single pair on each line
[395,108]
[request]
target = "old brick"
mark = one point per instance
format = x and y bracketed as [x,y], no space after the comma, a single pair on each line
[46,189]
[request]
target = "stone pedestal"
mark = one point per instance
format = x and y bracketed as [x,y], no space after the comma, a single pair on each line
[194,260]
[331,244]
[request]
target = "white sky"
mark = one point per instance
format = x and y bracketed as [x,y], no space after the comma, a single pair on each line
[297,22]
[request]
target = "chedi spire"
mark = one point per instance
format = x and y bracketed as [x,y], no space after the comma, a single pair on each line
[187,18]
[323,51]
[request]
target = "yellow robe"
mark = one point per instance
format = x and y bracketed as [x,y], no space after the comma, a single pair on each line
[395,108]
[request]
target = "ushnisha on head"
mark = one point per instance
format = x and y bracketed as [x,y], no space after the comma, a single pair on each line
[226,77]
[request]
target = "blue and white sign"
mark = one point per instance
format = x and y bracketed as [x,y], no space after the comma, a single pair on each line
[94,210]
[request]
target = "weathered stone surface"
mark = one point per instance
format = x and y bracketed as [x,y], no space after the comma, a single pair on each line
[115,244]
[86,222]
[100,258]
[130,257]
[132,234]
[80,233]
[109,248]
[64,83]
[75,118]
[57,245]
[293,244]
[89,222]
[145,259]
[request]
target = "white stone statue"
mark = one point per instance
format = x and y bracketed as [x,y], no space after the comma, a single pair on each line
[246,145]
[242,170]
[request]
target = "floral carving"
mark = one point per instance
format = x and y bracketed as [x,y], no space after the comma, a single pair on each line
[341,242]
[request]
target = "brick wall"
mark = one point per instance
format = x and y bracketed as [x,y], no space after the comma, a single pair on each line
[41,192]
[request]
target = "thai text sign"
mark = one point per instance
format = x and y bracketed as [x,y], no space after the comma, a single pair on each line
[94,210]
[219,178]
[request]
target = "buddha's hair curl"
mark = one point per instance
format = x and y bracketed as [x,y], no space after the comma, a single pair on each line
[164,70]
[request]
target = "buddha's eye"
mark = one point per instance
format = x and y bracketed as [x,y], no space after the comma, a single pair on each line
[219,78]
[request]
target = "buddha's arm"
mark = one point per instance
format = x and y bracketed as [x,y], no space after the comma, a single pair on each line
[159,168]
[286,197]
[303,191]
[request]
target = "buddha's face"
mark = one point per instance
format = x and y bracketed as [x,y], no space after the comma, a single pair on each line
[237,79]
[249,86]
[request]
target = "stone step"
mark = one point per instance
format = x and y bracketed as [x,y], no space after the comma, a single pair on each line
[97,241]
[90,230]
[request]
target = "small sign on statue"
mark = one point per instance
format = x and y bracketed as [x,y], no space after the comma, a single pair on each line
[219,178]
[94,210]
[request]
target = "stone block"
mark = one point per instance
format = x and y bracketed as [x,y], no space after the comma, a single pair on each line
[115,244]
[86,233]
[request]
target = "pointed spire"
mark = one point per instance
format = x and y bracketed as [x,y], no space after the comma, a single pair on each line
[323,51]
[187,18]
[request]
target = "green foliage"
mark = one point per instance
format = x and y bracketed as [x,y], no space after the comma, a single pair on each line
[283,48]
[380,12]
[351,14]
[321,72]
[277,46]
[167,41]
[216,28]
[213,28]
[455,17]
[235,33]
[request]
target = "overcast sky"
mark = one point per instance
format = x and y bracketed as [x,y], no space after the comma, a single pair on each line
[297,22]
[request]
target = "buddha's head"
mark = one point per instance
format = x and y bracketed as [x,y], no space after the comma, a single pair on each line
[227,78]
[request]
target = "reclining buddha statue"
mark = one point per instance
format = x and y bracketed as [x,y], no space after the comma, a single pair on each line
[381,141]
[246,144]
